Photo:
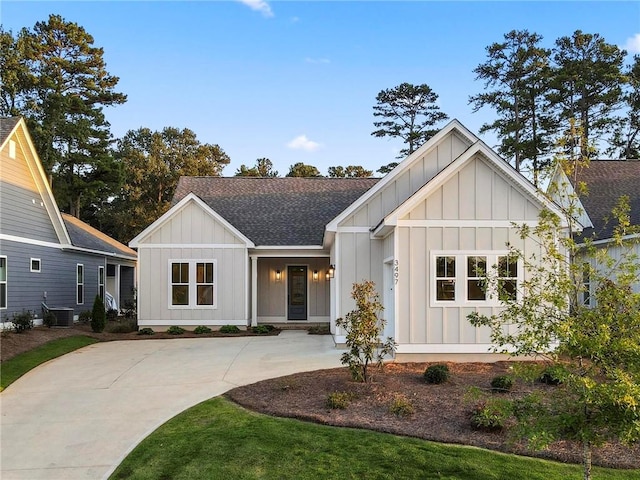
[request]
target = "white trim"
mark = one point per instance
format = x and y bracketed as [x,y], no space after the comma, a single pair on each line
[453,126]
[466,223]
[289,254]
[445,348]
[288,247]
[104,282]
[606,241]
[12,149]
[191,323]
[247,281]
[39,269]
[254,291]
[192,284]
[41,243]
[354,229]
[192,245]
[191,197]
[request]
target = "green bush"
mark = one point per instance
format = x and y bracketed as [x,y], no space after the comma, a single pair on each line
[200,329]
[436,374]
[552,375]
[22,321]
[401,406]
[48,318]
[146,331]
[126,326]
[98,315]
[339,400]
[229,329]
[501,383]
[261,329]
[112,314]
[84,316]
[319,330]
[175,330]
[491,415]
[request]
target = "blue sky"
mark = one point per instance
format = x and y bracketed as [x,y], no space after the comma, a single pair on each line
[296,81]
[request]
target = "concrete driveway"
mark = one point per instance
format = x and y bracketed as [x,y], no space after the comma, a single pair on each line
[78,416]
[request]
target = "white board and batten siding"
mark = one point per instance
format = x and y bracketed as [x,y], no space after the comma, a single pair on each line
[469,214]
[190,231]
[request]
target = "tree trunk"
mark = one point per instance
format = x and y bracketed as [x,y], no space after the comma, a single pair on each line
[586,459]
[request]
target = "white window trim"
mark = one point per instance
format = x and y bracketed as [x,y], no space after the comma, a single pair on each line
[461,277]
[31,269]
[193,303]
[78,283]
[5,282]
[103,283]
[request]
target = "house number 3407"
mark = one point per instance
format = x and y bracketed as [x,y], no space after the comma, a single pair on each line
[396,272]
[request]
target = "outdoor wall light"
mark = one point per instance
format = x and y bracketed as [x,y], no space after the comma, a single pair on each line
[278,274]
[332,271]
[326,276]
[315,275]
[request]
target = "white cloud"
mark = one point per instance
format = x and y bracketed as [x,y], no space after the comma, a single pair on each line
[301,142]
[317,60]
[633,44]
[260,6]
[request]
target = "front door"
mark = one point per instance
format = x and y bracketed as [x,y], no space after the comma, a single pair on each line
[297,293]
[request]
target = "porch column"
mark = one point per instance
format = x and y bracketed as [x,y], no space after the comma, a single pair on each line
[254,291]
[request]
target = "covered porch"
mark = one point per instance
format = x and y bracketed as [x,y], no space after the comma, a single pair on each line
[288,290]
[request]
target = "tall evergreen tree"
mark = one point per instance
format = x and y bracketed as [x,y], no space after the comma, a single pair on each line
[625,142]
[587,86]
[302,170]
[516,78]
[58,81]
[408,112]
[263,168]
[351,171]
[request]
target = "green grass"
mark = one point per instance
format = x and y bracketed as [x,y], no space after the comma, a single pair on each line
[15,367]
[219,440]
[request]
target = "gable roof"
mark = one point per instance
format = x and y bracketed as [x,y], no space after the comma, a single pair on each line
[7,125]
[607,181]
[85,236]
[276,211]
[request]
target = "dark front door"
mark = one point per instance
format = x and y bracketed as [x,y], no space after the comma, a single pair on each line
[297,293]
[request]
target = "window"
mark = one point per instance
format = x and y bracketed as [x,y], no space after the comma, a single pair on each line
[101,282]
[192,284]
[476,270]
[35,265]
[474,278]
[507,277]
[446,278]
[3,282]
[80,283]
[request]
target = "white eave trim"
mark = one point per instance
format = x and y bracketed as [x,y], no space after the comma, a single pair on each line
[191,197]
[454,125]
[606,241]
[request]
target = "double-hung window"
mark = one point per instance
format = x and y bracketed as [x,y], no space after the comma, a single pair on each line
[79,284]
[192,284]
[474,278]
[3,282]
[101,281]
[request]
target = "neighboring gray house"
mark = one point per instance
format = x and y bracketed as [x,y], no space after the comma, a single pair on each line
[45,256]
[246,251]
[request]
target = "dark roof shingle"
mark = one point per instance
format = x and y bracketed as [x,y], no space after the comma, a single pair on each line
[277,211]
[85,236]
[607,181]
[7,124]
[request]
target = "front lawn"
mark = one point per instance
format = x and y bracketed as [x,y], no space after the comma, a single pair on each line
[17,366]
[219,440]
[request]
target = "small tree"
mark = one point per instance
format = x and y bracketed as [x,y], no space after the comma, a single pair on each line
[594,348]
[98,315]
[364,328]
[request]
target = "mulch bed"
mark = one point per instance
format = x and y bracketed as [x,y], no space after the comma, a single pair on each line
[441,412]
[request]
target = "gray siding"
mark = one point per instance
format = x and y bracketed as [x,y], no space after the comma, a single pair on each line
[22,213]
[25,289]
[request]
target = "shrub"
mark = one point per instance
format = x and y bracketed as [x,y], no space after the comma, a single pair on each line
[501,383]
[175,330]
[84,316]
[48,318]
[401,406]
[126,326]
[552,375]
[229,329]
[200,329]
[98,315]
[22,321]
[436,374]
[146,331]
[339,400]
[491,415]
[363,330]
[319,330]
[260,329]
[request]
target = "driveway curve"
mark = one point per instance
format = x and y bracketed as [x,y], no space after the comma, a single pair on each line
[78,416]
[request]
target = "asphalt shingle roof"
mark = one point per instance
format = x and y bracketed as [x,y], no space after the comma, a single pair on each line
[7,124]
[277,211]
[85,236]
[607,181]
